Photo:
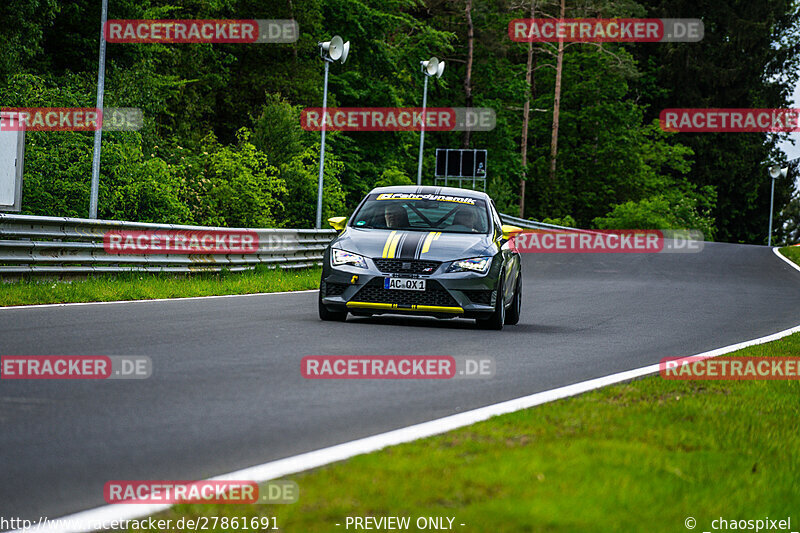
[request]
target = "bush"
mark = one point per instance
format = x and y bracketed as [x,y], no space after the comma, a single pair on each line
[137,188]
[567,221]
[233,186]
[393,176]
[675,211]
[277,131]
[301,176]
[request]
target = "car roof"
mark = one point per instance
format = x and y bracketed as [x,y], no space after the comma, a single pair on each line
[429,189]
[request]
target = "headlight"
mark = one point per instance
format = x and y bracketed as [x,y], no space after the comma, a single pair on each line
[340,257]
[476,264]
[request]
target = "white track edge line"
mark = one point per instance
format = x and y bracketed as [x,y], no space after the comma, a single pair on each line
[791,263]
[82,521]
[39,306]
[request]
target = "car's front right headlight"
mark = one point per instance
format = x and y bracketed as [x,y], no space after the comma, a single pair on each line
[340,257]
[475,264]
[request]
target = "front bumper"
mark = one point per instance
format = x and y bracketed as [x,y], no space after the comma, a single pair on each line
[360,291]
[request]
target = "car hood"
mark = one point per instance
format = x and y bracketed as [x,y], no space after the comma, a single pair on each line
[424,245]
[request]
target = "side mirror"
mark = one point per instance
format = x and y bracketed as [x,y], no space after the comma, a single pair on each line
[338,223]
[509,231]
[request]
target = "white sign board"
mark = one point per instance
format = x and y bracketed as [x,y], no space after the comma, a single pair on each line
[12,150]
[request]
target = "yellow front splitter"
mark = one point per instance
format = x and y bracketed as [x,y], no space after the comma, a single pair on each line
[420,308]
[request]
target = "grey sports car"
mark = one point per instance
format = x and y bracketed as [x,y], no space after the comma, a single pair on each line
[436,251]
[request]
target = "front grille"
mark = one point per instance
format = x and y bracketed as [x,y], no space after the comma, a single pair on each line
[407,266]
[479,297]
[334,289]
[434,294]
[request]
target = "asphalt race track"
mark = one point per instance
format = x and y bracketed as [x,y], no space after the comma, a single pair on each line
[227,393]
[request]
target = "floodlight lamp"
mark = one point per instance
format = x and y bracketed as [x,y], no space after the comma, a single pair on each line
[430,67]
[776,172]
[334,50]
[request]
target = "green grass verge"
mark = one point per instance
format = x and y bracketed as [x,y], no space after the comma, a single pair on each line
[143,286]
[640,456]
[792,252]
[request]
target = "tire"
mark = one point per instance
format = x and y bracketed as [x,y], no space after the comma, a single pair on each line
[512,315]
[496,319]
[328,315]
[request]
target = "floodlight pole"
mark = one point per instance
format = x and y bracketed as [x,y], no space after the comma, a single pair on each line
[98,132]
[422,131]
[771,202]
[775,173]
[322,146]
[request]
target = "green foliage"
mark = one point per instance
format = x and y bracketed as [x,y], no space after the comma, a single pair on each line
[57,171]
[787,226]
[675,211]
[665,199]
[193,162]
[23,30]
[136,187]
[567,221]
[748,58]
[393,176]
[277,130]
[234,185]
[301,176]
[58,164]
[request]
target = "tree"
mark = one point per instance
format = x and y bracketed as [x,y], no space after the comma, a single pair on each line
[748,58]
[233,186]
[526,116]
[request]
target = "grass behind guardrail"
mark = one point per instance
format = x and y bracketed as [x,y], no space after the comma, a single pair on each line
[148,286]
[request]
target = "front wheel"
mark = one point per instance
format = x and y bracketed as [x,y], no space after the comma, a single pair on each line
[498,318]
[512,316]
[328,315]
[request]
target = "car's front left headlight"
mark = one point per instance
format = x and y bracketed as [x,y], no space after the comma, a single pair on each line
[340,257]
[475,264]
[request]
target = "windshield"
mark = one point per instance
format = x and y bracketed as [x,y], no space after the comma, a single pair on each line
[423,212]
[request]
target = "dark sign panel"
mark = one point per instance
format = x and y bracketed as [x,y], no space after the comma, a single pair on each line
[455,163]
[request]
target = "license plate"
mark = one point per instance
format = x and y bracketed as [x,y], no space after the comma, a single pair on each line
[404,284]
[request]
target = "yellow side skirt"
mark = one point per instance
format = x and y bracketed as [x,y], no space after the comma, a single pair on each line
[427,308]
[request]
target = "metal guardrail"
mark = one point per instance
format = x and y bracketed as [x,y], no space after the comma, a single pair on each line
[532,224]
[57,245]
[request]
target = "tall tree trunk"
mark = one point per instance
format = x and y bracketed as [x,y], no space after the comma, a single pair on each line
[526,111]
[468,74]
[291,16]
[557,104]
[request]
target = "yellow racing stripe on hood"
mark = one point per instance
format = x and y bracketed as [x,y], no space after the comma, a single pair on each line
[393,245]
[386,246]
[432,236]
[427,244]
